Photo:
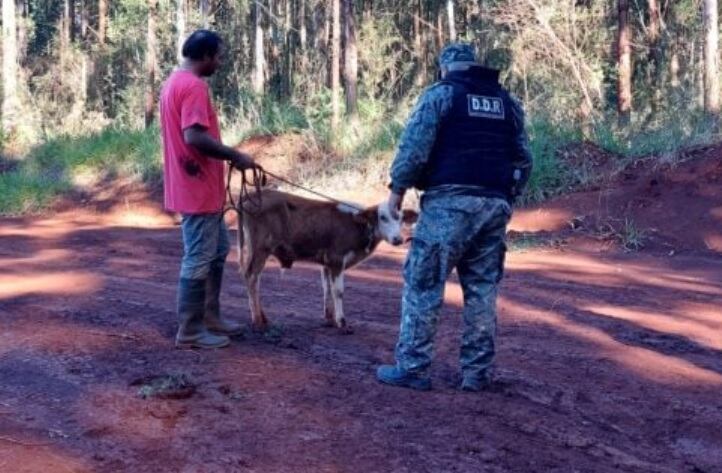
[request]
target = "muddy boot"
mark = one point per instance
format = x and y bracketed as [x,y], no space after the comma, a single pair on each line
[394,376]
[191,331]
[213,320]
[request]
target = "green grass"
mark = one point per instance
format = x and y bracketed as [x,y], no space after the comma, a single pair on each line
[631,237]
[550,176]
[24,191]
[52,167]
[664,136]
[110,152]
[524,242]
[257,116]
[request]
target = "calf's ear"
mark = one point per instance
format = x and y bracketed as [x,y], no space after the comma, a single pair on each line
[366,217]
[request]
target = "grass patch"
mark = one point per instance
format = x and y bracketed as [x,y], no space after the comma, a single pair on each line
[631,237]
[170,386]
[624,232]
[23,191]
[550,176]
[111,152]
[261,116]
[57,166]
[661,137]
[521,242]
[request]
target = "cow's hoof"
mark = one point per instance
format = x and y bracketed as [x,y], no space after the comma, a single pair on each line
[260,327]
[345,330]
[274,335]
[328,324]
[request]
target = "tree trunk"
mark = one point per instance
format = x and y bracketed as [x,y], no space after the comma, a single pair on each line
[467,19]
[150,63]
[21,44]
[302,30]
[439,30]
[257,81]
[654,32]
[180,27]
[303,35]
[420,44]
[711,60]
[66,21]
[676,47]
[452,19]
[11,103]
[272,50]
[71,20]
[84,19]
[351,57]
[417,42]
[203,7]
[289,49]
[624,65]
[102,20]
[700,71]
[417,28]
[315,30]
[327,36]
[335,62]
[674,68]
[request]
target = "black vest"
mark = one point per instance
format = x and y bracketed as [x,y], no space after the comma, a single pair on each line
[474,142]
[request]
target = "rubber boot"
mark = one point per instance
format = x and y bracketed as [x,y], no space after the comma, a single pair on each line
[191,304]
[213,320]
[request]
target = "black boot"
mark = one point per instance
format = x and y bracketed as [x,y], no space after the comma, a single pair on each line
[213,320]
[191,304]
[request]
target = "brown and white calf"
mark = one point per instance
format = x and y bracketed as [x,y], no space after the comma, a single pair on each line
[293,228]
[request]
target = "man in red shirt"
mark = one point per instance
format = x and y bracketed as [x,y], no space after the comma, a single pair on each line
[194,187]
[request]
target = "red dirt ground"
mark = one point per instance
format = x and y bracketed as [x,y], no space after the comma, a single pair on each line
[608,361]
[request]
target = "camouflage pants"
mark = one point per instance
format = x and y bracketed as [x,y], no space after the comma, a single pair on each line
[466,233]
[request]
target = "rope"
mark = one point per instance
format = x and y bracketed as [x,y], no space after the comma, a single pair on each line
[311,191]
[250,193]
[251,190]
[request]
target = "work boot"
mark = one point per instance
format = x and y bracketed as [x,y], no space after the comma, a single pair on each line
[213,320]
[395,376]
[476,383]
[191,331]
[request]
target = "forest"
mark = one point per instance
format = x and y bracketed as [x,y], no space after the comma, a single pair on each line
[634,77]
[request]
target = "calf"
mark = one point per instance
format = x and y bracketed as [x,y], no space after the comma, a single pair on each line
[292,228]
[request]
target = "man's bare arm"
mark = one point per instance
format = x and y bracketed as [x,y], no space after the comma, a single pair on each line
[200,139]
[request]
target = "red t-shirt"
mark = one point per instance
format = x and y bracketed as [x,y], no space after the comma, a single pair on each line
[193,183]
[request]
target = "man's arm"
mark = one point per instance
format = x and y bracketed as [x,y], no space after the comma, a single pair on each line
[418,138]
[200,139]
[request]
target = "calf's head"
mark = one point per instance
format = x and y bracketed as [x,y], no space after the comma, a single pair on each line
[386,224]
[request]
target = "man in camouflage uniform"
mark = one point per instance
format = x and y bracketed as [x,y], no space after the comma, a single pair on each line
[465,146]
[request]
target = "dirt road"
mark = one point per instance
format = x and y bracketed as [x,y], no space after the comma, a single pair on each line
[608,362]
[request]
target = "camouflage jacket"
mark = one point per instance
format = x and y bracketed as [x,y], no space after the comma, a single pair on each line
[419,136]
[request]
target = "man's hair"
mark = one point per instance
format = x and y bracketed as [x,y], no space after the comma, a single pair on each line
[201,44]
